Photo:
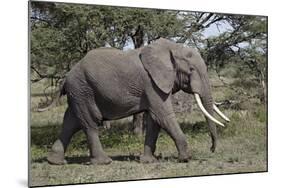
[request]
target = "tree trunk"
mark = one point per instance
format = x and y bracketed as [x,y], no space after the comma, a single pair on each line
[138,37]
[264,86]
[138,124]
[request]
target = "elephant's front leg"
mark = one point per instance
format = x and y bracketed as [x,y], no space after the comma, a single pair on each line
[152,132]
[98,156]
[162,112]
[170,125]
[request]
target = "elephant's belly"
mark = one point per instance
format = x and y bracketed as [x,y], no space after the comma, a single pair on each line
[118,95]
[116,109]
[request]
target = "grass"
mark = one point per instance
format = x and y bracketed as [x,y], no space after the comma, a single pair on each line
[242,147]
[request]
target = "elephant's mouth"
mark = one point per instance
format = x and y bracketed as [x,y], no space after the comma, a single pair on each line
[186,87]
[207,114]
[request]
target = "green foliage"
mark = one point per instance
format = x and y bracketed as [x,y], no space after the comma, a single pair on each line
[44,136]
[61,34]
[241,145]
[261,114]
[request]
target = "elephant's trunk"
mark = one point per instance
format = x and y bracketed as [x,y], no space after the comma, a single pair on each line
[208,102]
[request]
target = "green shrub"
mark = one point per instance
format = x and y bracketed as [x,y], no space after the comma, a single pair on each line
[260,113]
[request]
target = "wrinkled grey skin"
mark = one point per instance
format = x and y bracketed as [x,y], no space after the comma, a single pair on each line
[109,84]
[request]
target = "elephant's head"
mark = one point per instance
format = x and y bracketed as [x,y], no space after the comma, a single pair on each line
[174,67]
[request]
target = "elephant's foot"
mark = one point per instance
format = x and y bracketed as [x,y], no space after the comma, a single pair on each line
[101,160]
[148,159]
[56,158]
[56,155]
[184,158]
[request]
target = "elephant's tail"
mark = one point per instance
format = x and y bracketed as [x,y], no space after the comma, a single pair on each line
[59,93]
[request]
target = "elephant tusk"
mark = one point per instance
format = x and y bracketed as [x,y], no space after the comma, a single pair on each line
[217,110]
[199,102]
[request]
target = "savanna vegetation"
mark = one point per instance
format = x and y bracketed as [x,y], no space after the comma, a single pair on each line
[234,48]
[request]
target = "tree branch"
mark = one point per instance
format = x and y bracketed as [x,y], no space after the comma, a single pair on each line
[41,19]
[42,76]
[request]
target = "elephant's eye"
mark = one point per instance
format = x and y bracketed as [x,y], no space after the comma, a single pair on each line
[190,71]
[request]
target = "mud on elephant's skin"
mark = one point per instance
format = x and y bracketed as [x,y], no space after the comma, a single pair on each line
[109,84]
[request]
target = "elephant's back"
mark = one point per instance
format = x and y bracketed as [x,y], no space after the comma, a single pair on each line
[111,62]
[115,69]
[112,56]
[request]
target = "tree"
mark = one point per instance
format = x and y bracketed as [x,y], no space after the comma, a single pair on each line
[61,34]
[245,43]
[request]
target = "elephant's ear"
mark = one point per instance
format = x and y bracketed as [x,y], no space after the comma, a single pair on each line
[157,62]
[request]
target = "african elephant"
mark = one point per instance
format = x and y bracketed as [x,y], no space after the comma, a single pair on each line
[109,84]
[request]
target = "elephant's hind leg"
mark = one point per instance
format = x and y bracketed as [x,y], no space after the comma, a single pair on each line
[90,117]
[97,154]
[70,127]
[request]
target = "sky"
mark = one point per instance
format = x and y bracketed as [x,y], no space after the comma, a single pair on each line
[215,30]
[212,31]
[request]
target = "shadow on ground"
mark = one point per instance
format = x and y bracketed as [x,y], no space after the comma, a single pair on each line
[118,136]
[85,160]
